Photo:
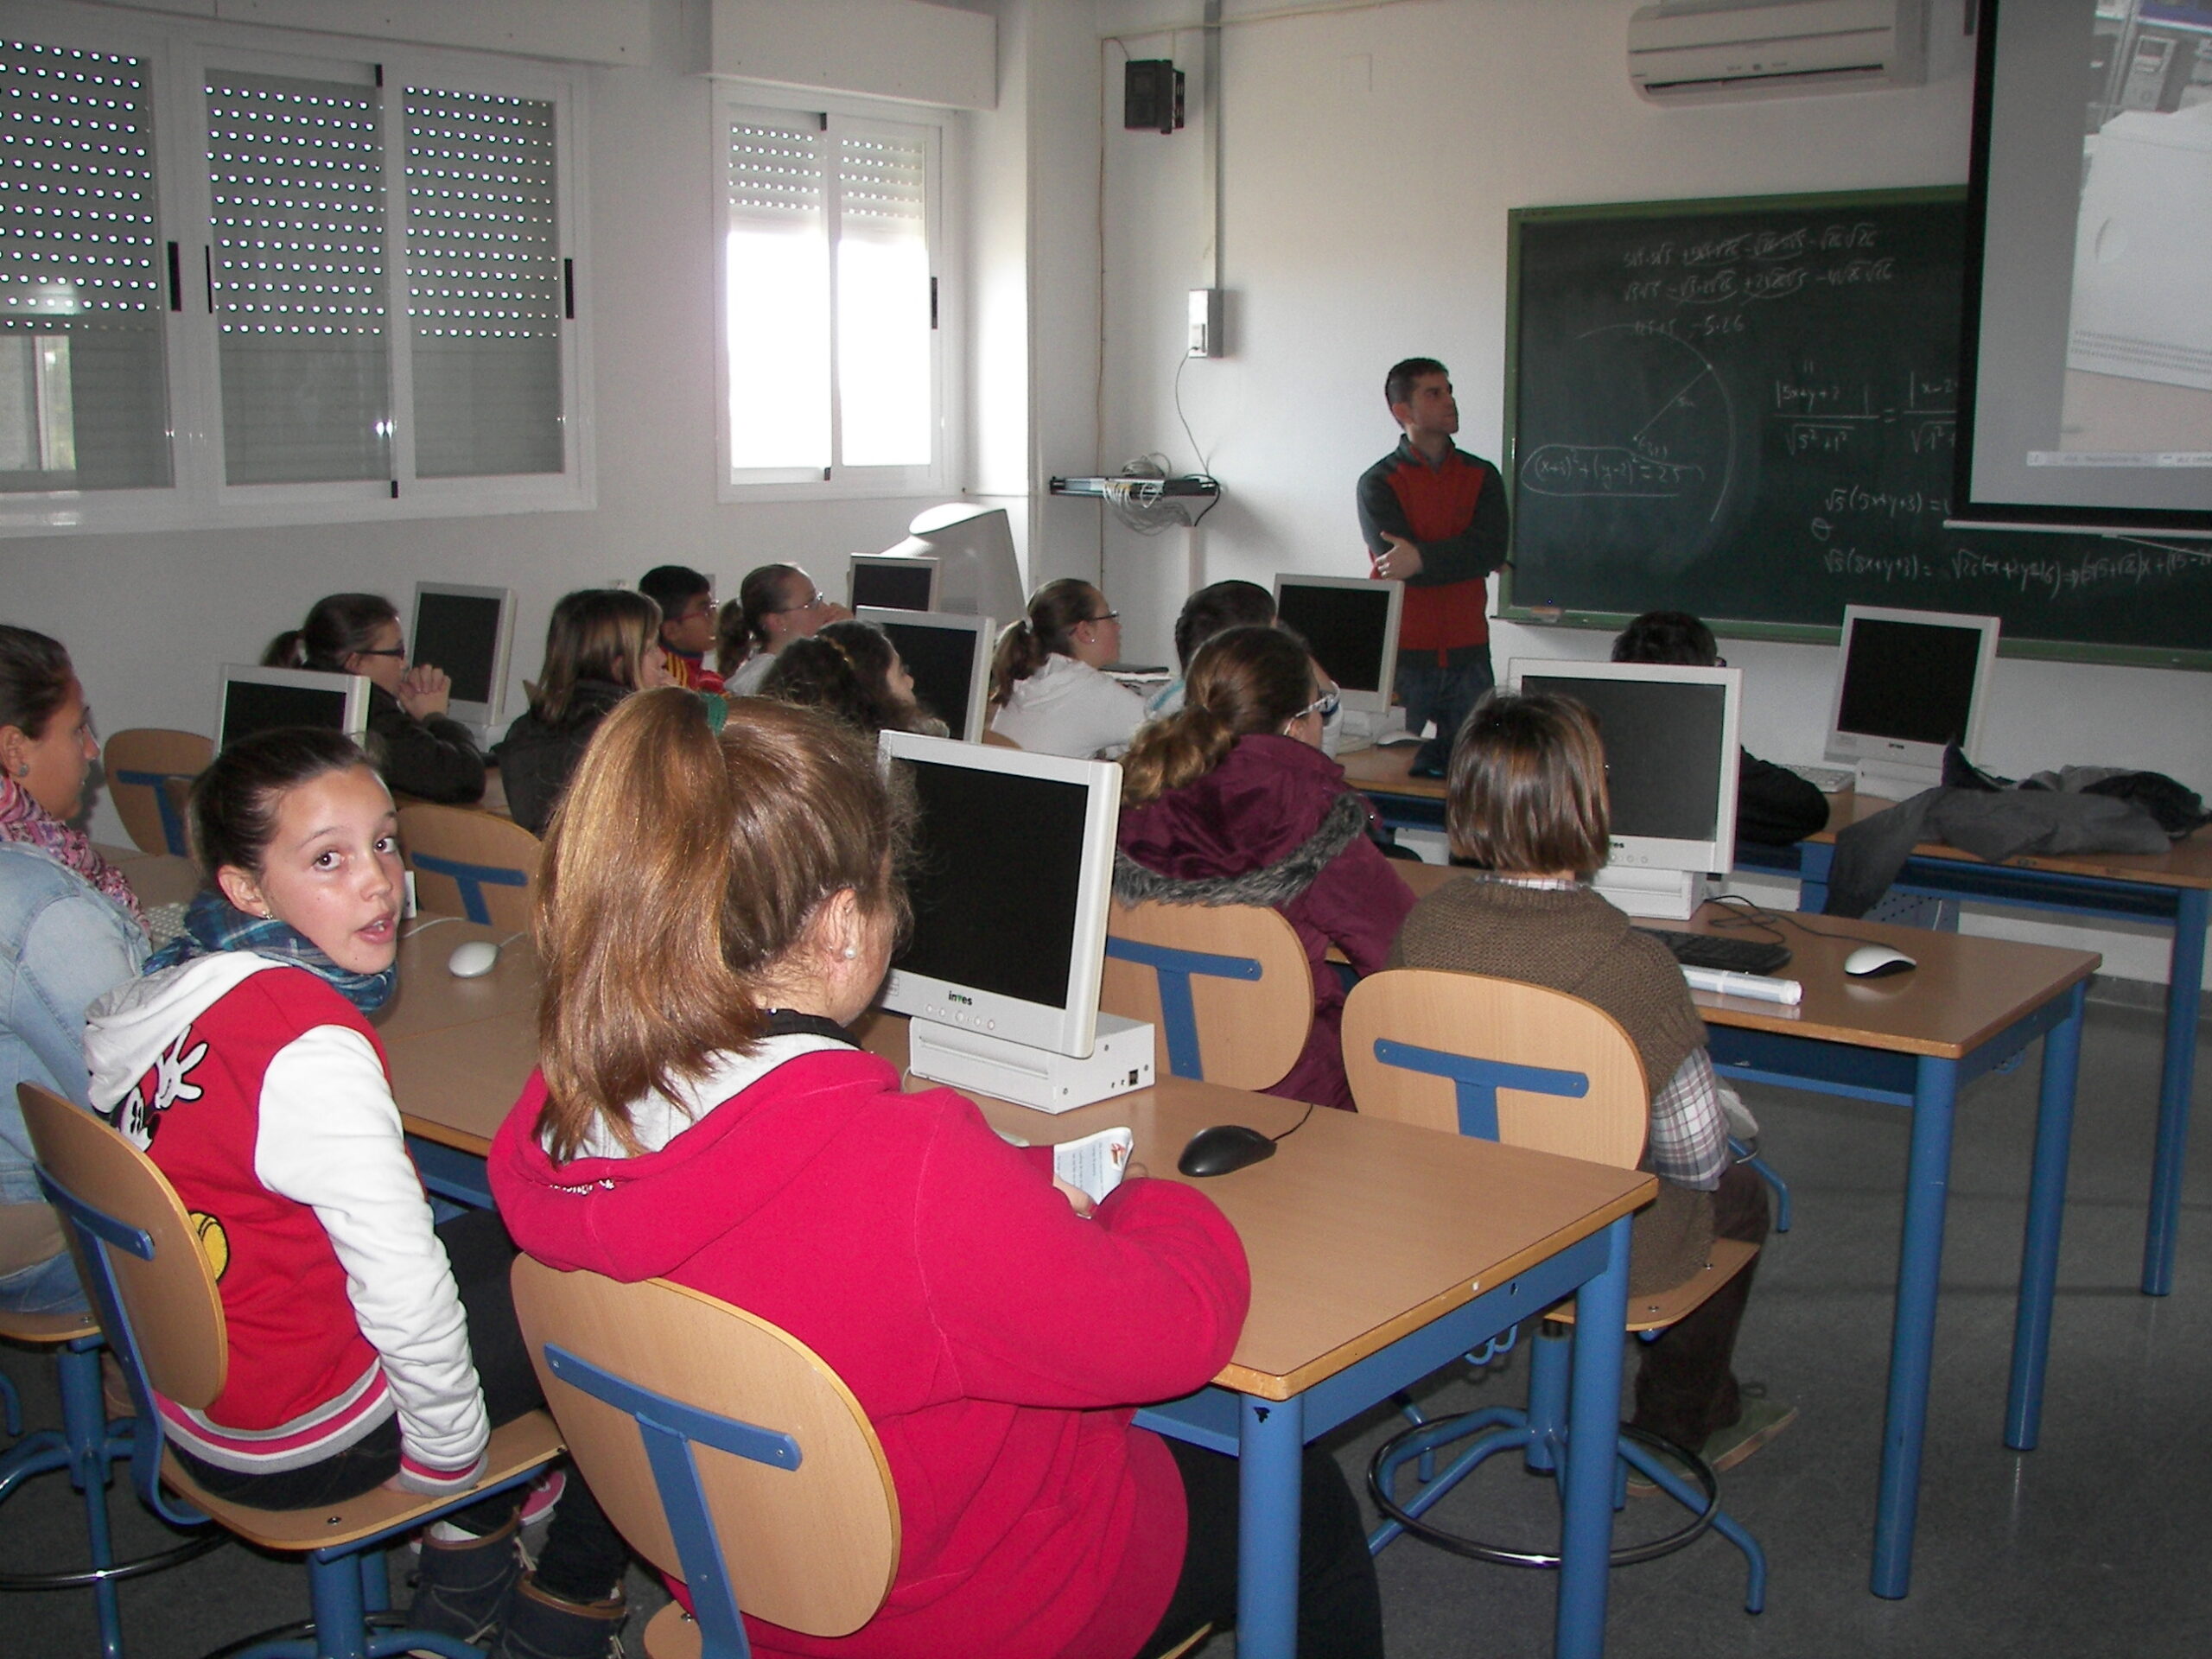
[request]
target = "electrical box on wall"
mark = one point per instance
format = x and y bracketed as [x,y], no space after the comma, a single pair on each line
[1152,95]
[1205,323]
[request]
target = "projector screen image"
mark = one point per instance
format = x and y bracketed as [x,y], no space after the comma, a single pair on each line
[1347,628]
[460,634]
[1663,751]
[942,661]
[1908,681]
[997,869]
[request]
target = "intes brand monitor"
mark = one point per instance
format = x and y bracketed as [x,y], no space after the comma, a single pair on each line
[950,657]
[257,699]
[1351,624]
[893,583]
[466,632]
[1909,683]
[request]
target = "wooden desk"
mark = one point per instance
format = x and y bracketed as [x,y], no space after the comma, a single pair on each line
[1915,1041]
[1370,1268]
[2173,888]
[1404,802]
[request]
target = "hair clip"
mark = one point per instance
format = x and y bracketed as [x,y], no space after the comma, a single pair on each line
[717,710]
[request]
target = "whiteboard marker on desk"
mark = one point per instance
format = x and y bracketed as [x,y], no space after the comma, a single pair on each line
[1760,986]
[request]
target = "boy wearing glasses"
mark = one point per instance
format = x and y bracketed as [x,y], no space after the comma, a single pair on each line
[686,598]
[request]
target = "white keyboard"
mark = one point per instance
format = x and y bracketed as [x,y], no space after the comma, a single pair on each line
[1829,780]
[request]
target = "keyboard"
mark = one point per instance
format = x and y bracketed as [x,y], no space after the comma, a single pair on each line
[1729,956]
[1829,780]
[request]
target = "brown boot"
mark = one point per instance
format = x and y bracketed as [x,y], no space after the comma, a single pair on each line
[540,1625]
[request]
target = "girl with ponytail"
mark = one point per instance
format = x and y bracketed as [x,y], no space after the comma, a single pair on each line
[1047,691]
[1230,801]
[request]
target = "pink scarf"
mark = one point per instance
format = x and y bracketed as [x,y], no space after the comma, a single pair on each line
[22,819]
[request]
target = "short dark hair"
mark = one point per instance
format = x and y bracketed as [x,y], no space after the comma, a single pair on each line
[34,676]
[1217,606]
[1668,636]
[668,585]
[1398,384]
[1527,792]
[233,804]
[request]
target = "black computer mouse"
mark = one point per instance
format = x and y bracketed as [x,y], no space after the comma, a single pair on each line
[1223,1148]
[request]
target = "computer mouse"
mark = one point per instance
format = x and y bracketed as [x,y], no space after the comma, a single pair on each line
[474,959]
[1223,1149]
[1877,962]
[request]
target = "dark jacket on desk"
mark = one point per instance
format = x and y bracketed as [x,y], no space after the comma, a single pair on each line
[433,759]
[1774,806]
[1276,824]
[536,758]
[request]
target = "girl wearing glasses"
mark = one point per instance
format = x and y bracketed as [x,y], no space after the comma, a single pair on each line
[422,752]
[776,605]
[1230,801]
[1048,690]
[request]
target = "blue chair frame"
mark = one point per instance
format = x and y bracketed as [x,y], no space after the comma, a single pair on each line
[1174,969]
[471,880]
[172,825]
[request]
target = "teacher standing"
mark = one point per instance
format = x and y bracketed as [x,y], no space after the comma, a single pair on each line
[1435,518]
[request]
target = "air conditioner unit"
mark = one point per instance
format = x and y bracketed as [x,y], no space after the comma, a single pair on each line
[1706,51]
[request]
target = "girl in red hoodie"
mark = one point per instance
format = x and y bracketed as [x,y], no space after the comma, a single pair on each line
[715,905]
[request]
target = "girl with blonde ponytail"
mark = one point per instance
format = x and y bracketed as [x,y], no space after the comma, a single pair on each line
[1230,801]
[1048,692]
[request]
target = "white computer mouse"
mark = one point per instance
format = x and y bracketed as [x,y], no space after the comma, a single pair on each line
[1867,961]
[474,959]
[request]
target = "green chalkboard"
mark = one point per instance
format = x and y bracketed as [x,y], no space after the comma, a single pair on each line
[1747,409]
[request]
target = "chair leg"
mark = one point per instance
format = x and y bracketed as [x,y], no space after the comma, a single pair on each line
[1744,1155]
[11,1409]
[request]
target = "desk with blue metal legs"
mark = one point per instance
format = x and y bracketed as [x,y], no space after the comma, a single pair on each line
[1379,1253]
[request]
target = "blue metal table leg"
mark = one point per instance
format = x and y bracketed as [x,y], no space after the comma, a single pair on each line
[1594,1405]
[2184,984]
[2062,1055]
[1912,1328]
[1269,1481]
[1815,859]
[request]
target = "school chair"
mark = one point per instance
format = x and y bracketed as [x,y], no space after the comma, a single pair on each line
[470,863]
[1527,1067]
[154,1288]
[138,762]
[727,1453]
[1227,989]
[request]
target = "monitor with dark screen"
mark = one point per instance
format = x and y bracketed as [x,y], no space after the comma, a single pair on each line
[465,632]
[893,583]
[257,699]
[950,657]
[1351,625]
[1009,884]
[1910,683]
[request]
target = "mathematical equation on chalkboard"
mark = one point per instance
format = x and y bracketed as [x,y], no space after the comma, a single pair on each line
[1751,409]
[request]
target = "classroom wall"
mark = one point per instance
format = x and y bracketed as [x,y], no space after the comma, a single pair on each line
[1370,157]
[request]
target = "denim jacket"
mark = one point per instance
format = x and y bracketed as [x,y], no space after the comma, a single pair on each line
[62,944]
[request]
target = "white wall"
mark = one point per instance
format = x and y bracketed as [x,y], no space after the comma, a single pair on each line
[1370,158]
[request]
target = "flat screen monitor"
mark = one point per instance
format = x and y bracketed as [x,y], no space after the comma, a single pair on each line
[1671,761]
[468,632]
[1910,682]
[975,547]
[950,657]
[255,699]
[893,582]
[1011,881]
[1351,623]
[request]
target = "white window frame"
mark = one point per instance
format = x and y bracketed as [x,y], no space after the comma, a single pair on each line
[179,56]
[734,100]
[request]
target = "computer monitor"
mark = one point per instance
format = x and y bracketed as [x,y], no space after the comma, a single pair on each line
[893,582]
[1351,623]
[255,699]
[950,657]
[1010,884]
[1909,683]
[468,632]
[1671,760]
[975,546]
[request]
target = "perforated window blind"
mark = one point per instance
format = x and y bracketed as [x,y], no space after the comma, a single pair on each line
[296,171]
[776,289]
[883,299]
[84,394]
[485,285]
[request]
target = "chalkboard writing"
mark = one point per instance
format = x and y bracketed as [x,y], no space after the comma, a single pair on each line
[1748,410]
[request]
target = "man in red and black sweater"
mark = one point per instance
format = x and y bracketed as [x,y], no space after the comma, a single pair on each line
[1435,518]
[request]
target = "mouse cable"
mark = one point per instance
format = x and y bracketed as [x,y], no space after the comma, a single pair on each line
[1294,1128]
[1739,912]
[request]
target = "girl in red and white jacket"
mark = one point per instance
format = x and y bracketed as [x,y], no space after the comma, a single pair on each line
[243,1064]
[719,898]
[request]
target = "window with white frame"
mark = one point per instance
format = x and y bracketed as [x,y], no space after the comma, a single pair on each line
[237,286]
[833,362]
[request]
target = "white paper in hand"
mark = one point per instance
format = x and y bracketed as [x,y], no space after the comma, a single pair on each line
[1095,1164]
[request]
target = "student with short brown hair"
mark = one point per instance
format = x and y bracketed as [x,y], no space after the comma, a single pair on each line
[1527,798]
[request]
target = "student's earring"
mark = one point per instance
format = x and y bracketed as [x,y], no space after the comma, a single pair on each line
[851,952]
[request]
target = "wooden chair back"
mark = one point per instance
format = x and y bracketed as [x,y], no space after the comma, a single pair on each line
[1227,987]
[993,740]
[173,1313]
[138,762]
[470,863]
[813,1546]
[1575,1084]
